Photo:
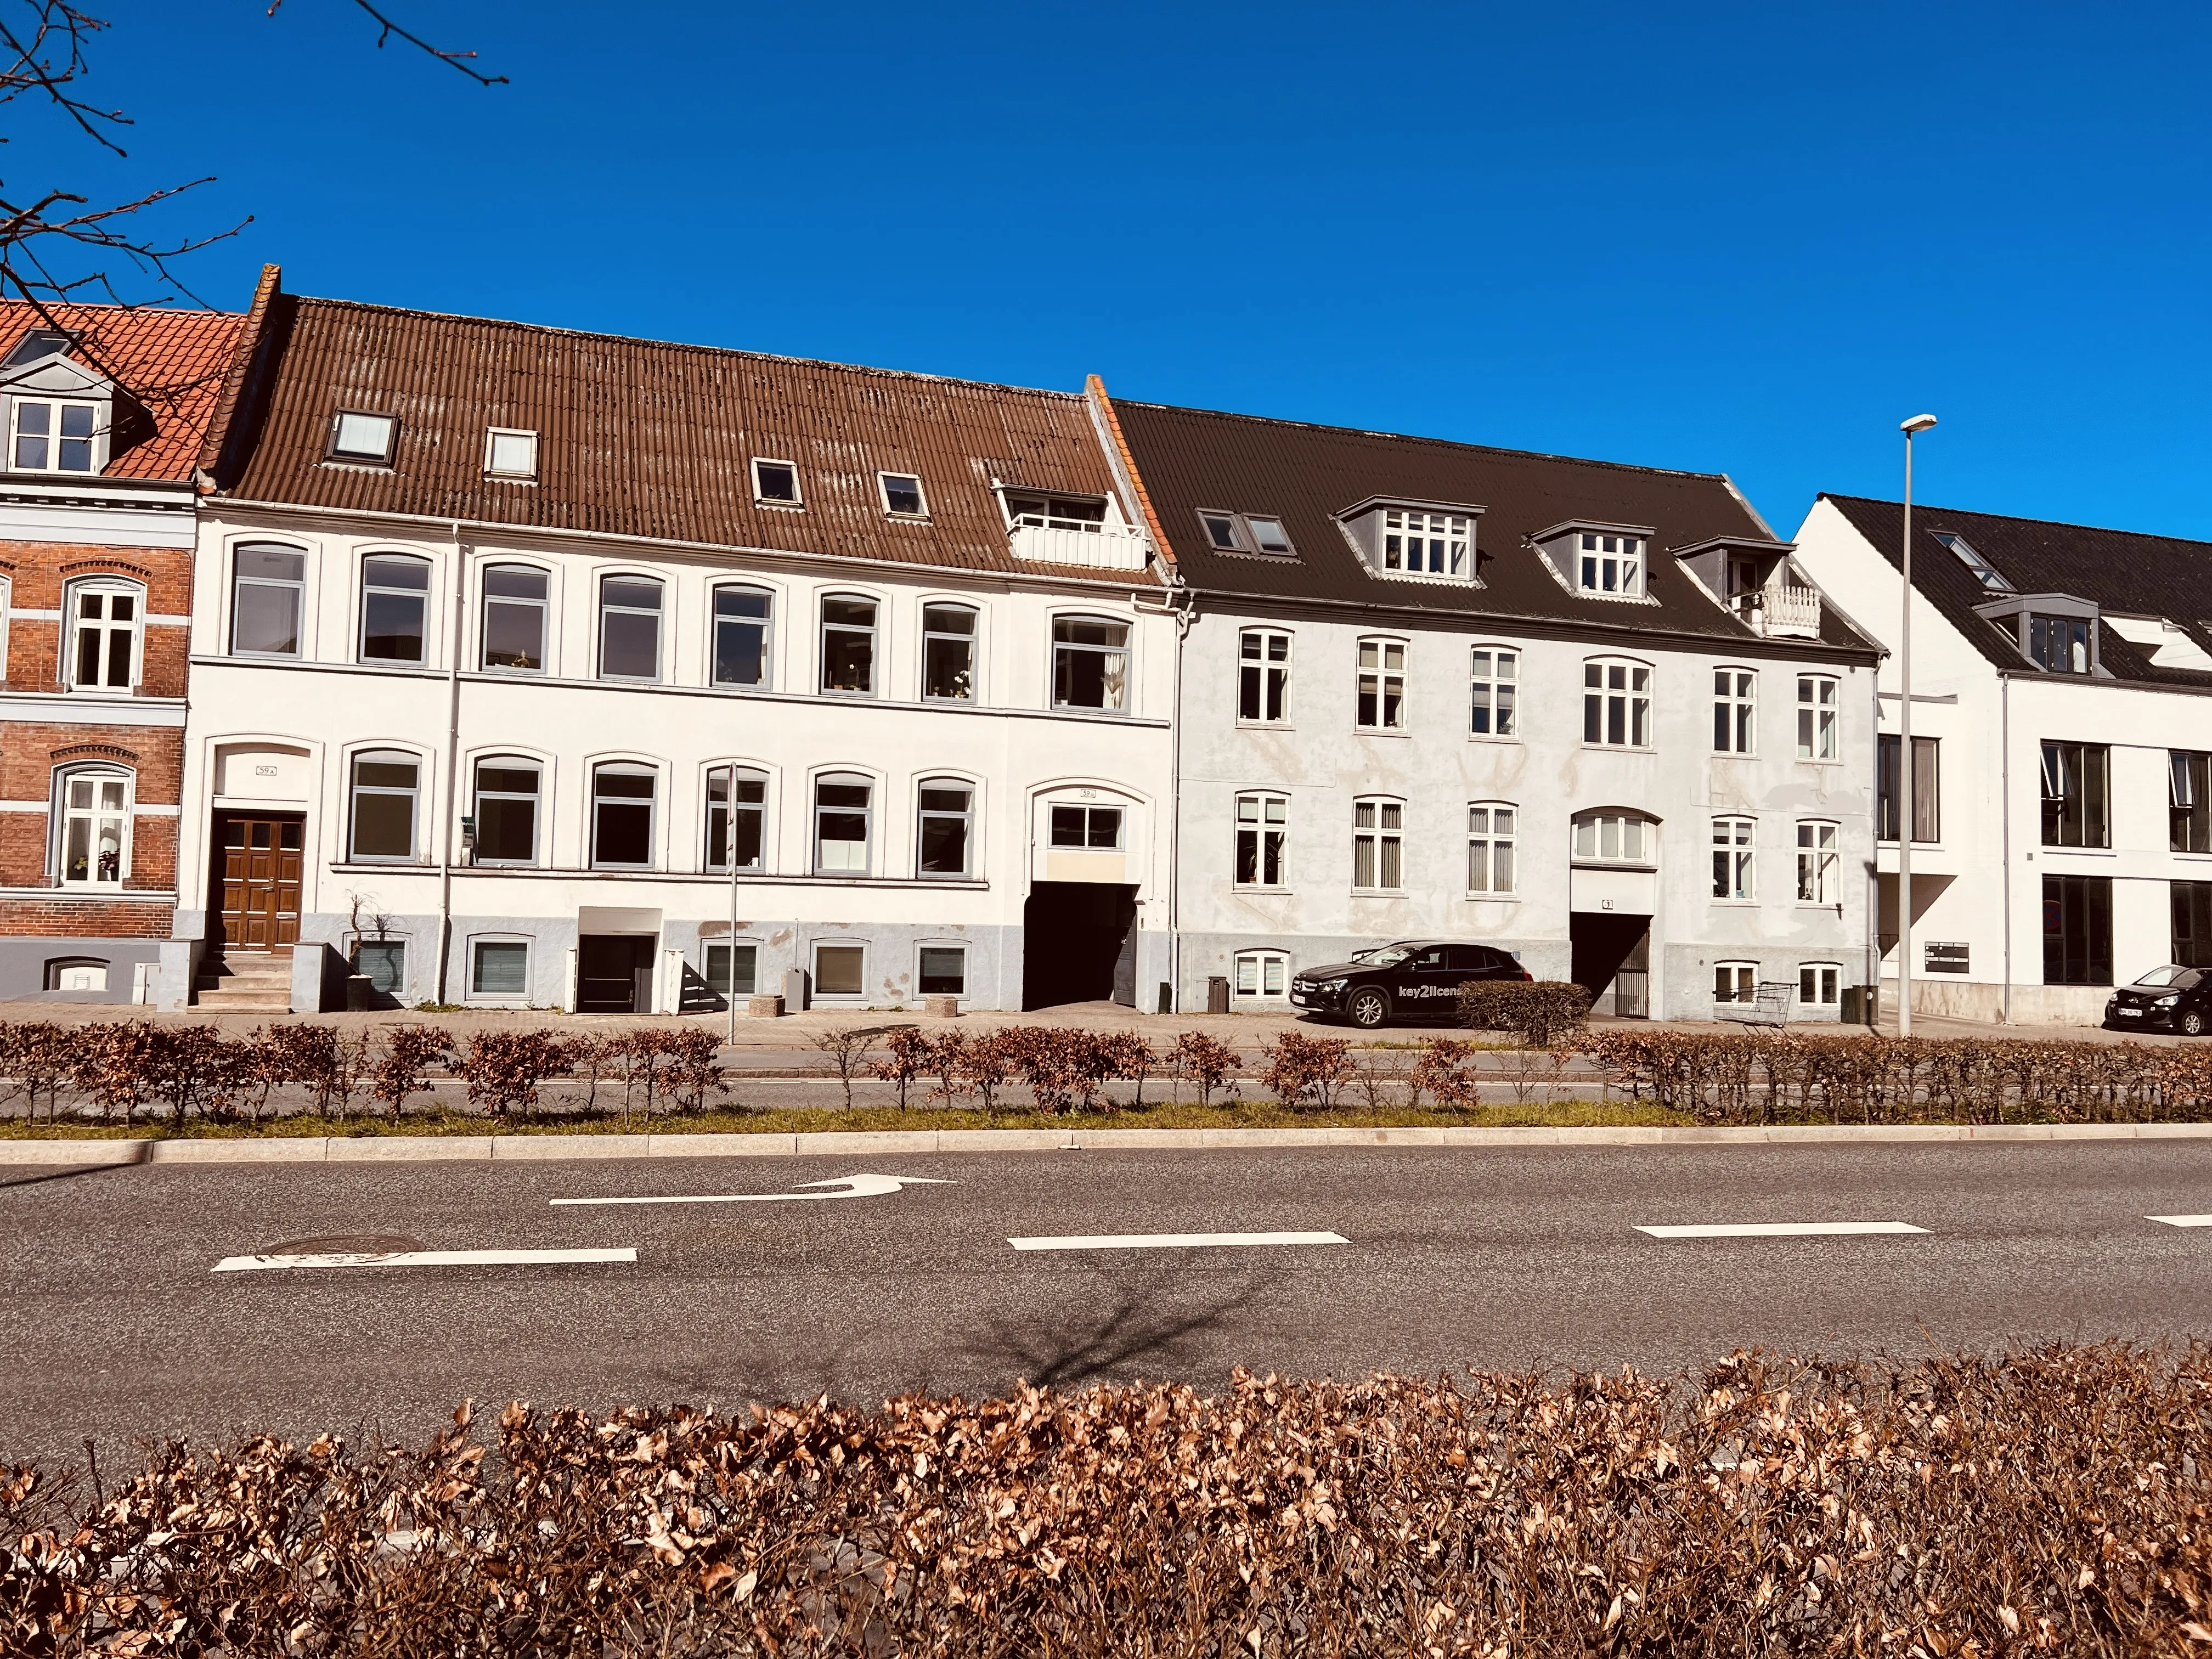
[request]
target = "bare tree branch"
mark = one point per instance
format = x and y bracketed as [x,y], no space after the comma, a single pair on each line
[463,61]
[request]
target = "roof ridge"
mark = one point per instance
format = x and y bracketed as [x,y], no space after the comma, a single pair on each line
[1922,508]
[685,345]
[1420,437]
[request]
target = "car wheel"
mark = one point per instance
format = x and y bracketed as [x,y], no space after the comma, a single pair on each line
[2191,1024]
[1368,1009]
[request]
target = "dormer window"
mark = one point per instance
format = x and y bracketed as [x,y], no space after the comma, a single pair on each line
[54,436]
[1424,543]
[1610,565]
[2060,645]
[510,454]
[1974,562]
[1247,532]
[1035,511]
[364,439]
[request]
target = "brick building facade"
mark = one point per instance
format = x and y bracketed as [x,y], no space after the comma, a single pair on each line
[103,411]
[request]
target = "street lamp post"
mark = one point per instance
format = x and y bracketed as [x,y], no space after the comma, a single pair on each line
[1918,423]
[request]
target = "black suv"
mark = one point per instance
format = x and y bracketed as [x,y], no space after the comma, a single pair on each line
[1417,979]
[2178,998]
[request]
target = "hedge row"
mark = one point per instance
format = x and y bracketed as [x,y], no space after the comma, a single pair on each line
[2054,1502]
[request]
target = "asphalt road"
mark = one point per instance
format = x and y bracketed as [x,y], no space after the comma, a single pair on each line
[115,1324]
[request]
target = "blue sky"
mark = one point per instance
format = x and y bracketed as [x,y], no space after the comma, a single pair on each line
[1744,238]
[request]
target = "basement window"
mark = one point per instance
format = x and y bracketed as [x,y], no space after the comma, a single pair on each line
[366,439]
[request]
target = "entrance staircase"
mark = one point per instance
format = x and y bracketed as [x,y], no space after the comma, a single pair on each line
[246,981]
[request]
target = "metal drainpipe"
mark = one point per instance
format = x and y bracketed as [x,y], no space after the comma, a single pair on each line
[452,820]
[1182,614]
[2004,821]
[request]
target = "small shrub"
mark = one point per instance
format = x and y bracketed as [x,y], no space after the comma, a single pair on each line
[1539,1014]
[399,1066]
[985,1064]
[1129,1057]
[1298,1066]
[1205,1061]
[906,1057]
[1447,1069]
[695,1066]
[848,1049]
[503,1069]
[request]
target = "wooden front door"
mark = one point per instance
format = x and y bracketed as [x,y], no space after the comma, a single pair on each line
[256,865]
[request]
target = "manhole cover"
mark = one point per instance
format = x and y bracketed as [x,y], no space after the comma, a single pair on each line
[345,1244]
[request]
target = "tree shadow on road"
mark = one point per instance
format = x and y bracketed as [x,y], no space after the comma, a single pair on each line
[1135,1332]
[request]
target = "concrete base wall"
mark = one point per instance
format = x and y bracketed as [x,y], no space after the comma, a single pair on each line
[23,966]
[1984,1001]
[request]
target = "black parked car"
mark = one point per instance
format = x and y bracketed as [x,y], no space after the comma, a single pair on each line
[2178,998]
[1416,979]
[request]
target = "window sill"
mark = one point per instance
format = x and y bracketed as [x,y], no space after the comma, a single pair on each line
[1819,760]
[1380,732]
[1505,739]
[1493,899]
[2076,852]
[1612,864]
[1378,892]
[1733,904]
[779,507]
[1261,892]
[1735,753]
[1265,726]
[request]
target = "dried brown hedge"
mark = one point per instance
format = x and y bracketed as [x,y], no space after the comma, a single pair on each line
[2053,1502]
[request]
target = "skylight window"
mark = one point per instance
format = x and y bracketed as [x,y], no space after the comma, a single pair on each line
[776,482]
[1220,530]
[510,454]
[903,495]
[365,438]
[1974,562]
[1247,532]
[1269,535]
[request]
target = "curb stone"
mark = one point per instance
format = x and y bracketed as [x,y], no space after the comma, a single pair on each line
[424,1149]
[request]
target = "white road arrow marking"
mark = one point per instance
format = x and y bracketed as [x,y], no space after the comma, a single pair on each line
[854,1185]
[1782,1230]
[240,1264]
[2182,1221]
[1168,1241]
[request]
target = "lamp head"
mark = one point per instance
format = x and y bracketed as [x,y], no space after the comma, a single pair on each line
[1917,423]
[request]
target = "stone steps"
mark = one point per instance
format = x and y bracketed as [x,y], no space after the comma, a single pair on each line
[246,981]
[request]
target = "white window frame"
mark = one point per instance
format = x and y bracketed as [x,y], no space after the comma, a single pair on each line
[1087,809]
[1408,533]
[1378,825]
[1819,721]
[953,945]
[1117,692]
[602,609]
[418,795]
[1736,860]
[1742,978]
[923,813]
[1263,675]
[715,852]
[54,404]
[95,774]
[1381,676]
[363,457]
[1631,699]
[1258,966]
[798,502]
[715,619]
[1735,711]
[1497,830]
[508,474]
[7,600]
[1590,848]
[814,949]
[1610,565]
[1827,979]
[728,947]
[1256,829]
[1819,861]
[107,587]
[883,494]
[363,587]
[815,809]
[537,799]
[974,638]
[1494,708]
[296,586]
[874,629]
[627,768]
[486,599]
[510,998]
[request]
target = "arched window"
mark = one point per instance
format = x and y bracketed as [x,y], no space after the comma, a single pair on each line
[514,605]
[507,799]
[1819,985]
[1263,974]
[629,628]
[387,787]
[1612,836]
[1263,829]
[1817,708]
[742,618]
[1089,663]
[948,653]
[268,579]
[1263,675]
[848,644]
[946,819]
[1491,834]
[843,812]
[1494,676]
[1380,700]
[622,798]
[1616,703]
[1735,983]
[395,607]
[94,826]
[105,619]
[736,800]
[1378,845]
[1735,711]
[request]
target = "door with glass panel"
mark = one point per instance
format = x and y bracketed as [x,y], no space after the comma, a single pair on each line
[257,869]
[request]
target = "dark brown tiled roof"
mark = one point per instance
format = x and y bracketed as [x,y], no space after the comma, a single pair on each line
[640,438]
[1192,458]
[2118,570]
[173,362]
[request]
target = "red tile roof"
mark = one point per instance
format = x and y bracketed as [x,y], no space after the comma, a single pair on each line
[173,362]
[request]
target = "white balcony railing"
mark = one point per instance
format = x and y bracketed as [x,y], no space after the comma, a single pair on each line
[1101,547]
[1782,611]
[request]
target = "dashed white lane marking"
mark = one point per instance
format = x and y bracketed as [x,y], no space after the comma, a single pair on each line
[1168,1241]
[240,1264]
[2182,1221]
[1782,1228]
